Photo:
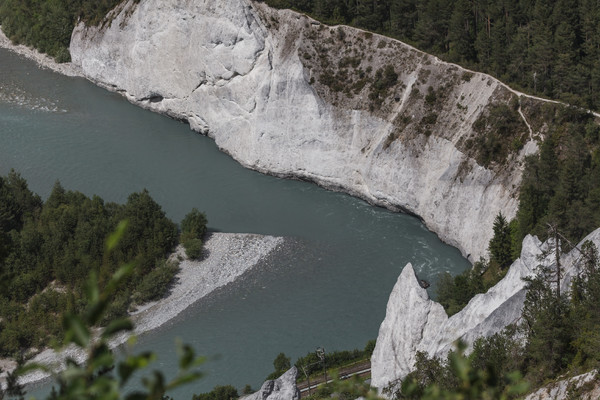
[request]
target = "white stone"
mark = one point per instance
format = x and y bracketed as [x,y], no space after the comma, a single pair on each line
[415,323]
[282,388]
[409,311]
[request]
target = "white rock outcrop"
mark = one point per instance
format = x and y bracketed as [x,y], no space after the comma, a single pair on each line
[415,323]
[251,78]
[282,388]
[584,387]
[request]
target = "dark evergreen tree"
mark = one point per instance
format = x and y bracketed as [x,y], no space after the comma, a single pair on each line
[403,18]
[547,324]
[461,32]
[585,297]
[500,245]
[282,363]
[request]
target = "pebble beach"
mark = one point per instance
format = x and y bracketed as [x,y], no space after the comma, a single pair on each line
[227,256]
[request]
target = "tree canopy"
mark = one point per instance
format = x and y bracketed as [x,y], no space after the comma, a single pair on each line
[47,24]
[545,47]
[48,249]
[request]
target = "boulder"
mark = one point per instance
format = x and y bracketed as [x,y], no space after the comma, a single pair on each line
[282,388]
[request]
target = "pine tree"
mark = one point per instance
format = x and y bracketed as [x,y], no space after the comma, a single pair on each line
[566,45]
[461,32]
[541,56]
[548,328]
[403,17]
[586,313]
[500,245]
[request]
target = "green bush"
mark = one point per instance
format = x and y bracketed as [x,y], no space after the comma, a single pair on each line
[193,246]
[500,130]
[431,97]
[384,79]
[369,348]
[227,392]
[193,229]
[155,284]
[194,223]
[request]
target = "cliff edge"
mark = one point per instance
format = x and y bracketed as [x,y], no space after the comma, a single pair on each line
[347,109]
[415,323]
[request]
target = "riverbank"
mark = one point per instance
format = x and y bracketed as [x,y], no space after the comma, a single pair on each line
[43,60]
[227,256]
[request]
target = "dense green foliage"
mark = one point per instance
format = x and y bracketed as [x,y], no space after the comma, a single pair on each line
[500,132]
[47,250]
[281,364]
[194,223]
[47,24]
[460,377]
[500,244]
[227,392]
[102,375]
[193,229]
[561,184]
[312,364]
[454,293]
[546,47]
[562,335]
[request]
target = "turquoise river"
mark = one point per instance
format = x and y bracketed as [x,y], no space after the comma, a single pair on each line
[328,287]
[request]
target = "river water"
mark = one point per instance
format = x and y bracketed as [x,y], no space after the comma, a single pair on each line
[328,286]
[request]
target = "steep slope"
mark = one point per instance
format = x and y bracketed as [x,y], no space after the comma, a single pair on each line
[415,323]
[585,387]
[282,388]
[349,110]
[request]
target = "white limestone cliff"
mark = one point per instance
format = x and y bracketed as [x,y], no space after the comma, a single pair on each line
[252,78]
[403,328]
[415,323]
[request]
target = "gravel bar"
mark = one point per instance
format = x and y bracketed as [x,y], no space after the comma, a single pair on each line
[227,256]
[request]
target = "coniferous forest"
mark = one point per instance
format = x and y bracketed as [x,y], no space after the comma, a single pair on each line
[544,47]
[49,249]
[47,24]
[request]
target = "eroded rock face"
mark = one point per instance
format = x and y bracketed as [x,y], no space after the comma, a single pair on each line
[288,96]
[585,387]
[415,323]
[409,311]
[282,388]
